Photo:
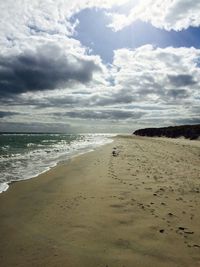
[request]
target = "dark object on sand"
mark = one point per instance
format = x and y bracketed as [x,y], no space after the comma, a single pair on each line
[189,232]
[114,153]
[188,131]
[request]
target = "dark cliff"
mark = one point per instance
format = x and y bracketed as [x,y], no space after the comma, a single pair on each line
[187,131]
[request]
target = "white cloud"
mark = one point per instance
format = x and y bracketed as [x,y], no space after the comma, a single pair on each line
[37,19]
[145,85]
[22,18]
[29,27]
[161,85]
[165,14]
[158,74]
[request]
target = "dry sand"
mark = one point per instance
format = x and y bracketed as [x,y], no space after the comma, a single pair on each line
[138,208]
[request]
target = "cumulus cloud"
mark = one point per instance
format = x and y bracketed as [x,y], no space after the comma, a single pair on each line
[23,18]
[177,94]
[37,48]
[46,75]
[54,18]
[157,74]
[48,67]
[150,84]
[166,14]
[181,80]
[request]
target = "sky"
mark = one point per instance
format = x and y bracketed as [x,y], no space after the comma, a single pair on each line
[99,66]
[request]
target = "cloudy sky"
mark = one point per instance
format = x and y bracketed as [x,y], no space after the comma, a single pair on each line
[98,65]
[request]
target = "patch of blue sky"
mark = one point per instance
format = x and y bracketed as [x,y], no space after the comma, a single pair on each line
[93,32]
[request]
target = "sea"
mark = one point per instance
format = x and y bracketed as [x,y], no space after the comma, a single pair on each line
[26,155]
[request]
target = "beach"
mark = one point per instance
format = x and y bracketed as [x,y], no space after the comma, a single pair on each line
[131,203]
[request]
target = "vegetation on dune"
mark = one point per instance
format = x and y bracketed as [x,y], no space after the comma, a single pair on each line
[188,131]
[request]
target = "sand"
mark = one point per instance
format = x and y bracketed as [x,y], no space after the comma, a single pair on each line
[138,207]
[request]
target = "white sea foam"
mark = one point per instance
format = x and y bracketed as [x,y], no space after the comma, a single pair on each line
[3,187]
[39,158]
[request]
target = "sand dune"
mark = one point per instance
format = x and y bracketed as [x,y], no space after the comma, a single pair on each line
[136,207]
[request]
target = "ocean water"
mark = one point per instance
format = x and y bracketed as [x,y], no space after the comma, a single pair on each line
[24,156]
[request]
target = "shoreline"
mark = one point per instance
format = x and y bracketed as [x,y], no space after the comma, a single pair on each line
[138,208]
[6,185]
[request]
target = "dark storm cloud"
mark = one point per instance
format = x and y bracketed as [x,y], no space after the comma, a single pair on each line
[178,93]
[44,69]
[181,80]
[103,114]
[4,114]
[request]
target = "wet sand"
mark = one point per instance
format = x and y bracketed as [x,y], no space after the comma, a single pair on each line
[135,207]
